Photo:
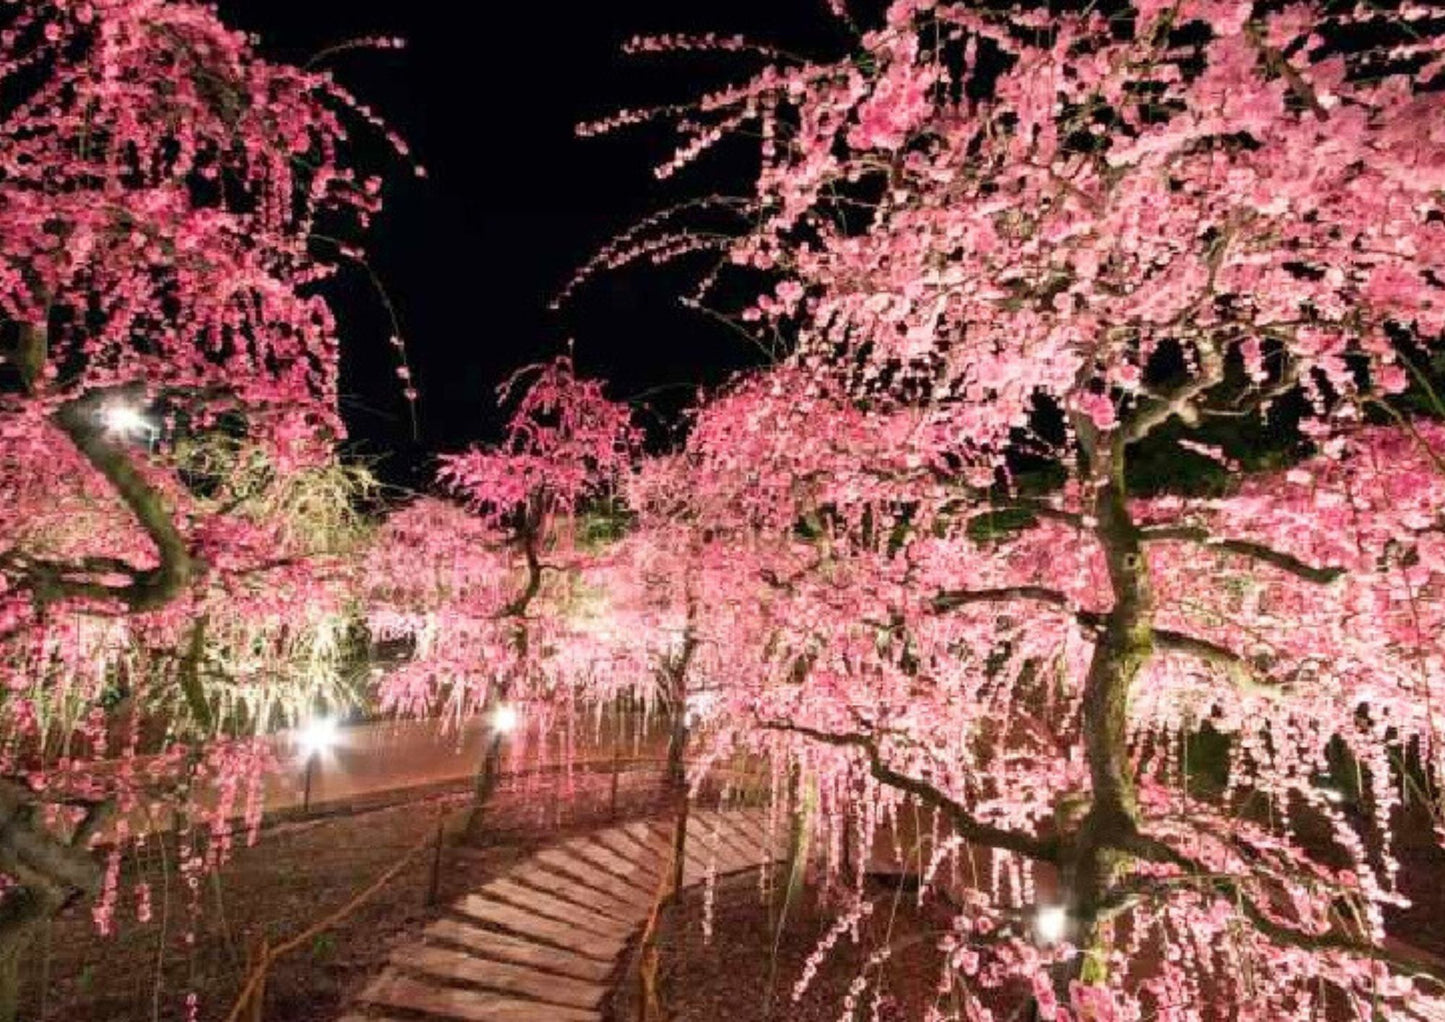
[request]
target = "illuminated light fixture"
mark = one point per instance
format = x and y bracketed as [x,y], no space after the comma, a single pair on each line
[1050,924]
[697,706]
[504,719]
[315,740]
[124,419]
[318,736]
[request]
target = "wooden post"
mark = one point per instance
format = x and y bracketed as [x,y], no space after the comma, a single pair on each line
[433,890]
[306,784]
[649,1003]
[258,995]
[617,739]
[679,845]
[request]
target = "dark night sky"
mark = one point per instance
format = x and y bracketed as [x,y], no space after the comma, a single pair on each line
[514,202]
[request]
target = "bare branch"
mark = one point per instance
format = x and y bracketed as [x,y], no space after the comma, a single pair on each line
[1244,675]
[1037,508]
[1245,548]
[952,599]
[1179,401]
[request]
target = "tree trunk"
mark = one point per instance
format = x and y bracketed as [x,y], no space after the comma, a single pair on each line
[490,766]
[489,769]
[1121,650]
[25,913]
[676,778]
[488,773]
[10,979]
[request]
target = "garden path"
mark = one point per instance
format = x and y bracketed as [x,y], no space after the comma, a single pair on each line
[542,942]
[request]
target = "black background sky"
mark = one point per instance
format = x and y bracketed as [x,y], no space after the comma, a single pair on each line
[488,95]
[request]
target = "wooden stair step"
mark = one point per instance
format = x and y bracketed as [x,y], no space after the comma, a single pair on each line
[503,947]
[533,875]
[528,924]
[665,834]
[751,825]
[632,850]
[594,876]
[504,977]
[658,837]
[759,849]
[711,850]
[726,832]
[629,872]
[530,900]
[393,989]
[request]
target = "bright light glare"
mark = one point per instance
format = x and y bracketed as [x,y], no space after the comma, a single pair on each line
[122,419]
[504,719]
[318,736]
[697,706]
[1050,923]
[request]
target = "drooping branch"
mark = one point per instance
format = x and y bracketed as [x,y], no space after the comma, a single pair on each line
[148,589]
[1155,850]
[952,599]
[969,828]
[1245,548]
[1244,675]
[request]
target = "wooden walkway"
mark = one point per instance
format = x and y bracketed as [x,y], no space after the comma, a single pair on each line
[541,942]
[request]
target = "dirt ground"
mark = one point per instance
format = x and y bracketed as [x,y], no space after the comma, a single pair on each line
[743,975]
[302,870]
[297,873]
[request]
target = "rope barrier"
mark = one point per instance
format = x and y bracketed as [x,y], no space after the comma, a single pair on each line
[255,985]
[252,993]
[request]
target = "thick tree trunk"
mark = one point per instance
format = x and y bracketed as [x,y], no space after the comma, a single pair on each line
[10,987]
[1121,650]
[27,914]
[489,769]
[51,874]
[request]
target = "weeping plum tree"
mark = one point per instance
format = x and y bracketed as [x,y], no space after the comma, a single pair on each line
[484,596]
[1020,257]
[171,521]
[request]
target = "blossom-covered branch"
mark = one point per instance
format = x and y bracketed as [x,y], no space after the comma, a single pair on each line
[1027,845]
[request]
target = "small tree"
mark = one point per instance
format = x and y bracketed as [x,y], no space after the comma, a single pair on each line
[467,592]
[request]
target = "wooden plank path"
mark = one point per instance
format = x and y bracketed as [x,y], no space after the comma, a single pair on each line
[541,942]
